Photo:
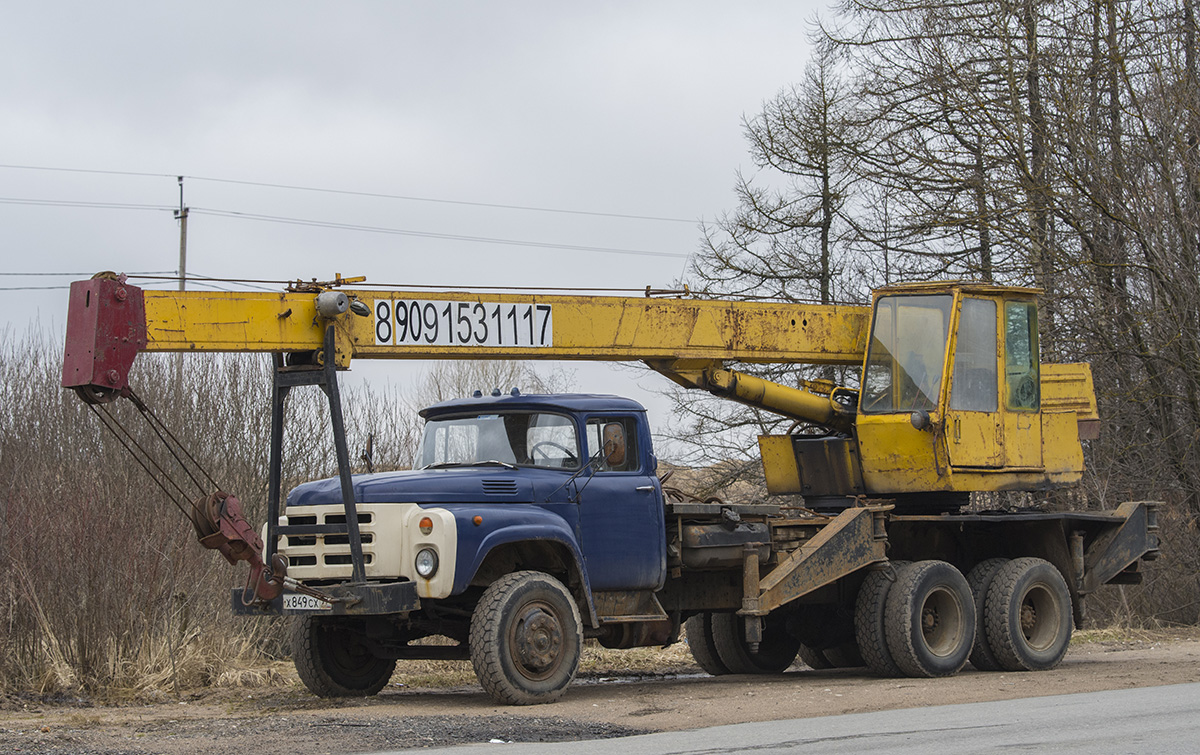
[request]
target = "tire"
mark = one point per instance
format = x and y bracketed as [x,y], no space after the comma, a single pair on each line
[813,658]
[980,580]
[868,620]
[333,660]
[526,639]
[1028,615]
[930,619]
[775,653]
[703,647]
[844,655]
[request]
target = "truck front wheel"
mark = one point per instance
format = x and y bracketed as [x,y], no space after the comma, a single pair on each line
[526,639]
[1028,615]
[333,660]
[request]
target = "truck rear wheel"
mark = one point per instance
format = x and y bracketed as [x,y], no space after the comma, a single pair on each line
[930,619]
[980,579]
[775,653]
[844,655]
[814,659]
[869,628]
[703,646]
[526,638]
[334,661]
[1028,615]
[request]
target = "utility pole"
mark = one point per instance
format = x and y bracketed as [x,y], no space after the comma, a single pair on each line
[182,215]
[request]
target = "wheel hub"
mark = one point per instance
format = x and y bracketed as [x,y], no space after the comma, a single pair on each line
[1028,618]
[539,639]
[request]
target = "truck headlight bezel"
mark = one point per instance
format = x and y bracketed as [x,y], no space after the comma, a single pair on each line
[426,563]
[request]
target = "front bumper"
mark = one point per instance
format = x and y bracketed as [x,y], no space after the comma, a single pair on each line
[351,600]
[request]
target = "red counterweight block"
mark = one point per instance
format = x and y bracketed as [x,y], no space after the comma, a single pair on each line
[106,328]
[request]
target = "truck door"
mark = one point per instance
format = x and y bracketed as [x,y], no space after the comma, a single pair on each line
[1022,386]
[973,423]
[621,508]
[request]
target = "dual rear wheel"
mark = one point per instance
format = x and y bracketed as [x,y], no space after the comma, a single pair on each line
[925,619]
[718,644]
[1026,618]
[915,619]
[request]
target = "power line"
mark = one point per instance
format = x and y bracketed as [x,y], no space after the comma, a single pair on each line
[243,283]
[80,275]
[409,198]
[86,170]
[346,192]
[429,234]
[72,203]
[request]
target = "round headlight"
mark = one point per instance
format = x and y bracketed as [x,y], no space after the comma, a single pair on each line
[427,562]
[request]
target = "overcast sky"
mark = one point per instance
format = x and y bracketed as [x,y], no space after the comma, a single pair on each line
[613,108]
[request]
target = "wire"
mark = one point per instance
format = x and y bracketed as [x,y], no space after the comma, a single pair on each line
[61,275]
[80,275]
[95,205]
[245,284]
[409,198]
[403,286]
[345,192]
[428,234]
[86,170]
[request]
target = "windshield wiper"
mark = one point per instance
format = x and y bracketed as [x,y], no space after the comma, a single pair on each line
[485,462]
[497,462]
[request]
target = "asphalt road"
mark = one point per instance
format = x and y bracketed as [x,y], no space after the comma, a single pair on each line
[1162,720]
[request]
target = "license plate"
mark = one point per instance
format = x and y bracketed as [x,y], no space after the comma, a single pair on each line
[294,601]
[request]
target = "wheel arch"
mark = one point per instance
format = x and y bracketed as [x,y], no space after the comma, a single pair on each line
[512,550]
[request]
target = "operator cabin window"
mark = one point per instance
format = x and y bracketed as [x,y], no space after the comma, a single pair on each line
[908,348]
[975,387]
[1021,356]
[611,444]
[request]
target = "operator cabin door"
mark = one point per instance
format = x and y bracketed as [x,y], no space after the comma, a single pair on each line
[974,435]
[1022,386]
[621,509]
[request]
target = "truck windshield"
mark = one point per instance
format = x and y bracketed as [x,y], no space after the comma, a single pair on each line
[534,439]
[907,351]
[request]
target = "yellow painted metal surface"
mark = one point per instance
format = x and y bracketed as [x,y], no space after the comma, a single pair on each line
[780,467]
[797,403]
[898,458]
[689,340]
[222,321]
[1069,387]
[466,325]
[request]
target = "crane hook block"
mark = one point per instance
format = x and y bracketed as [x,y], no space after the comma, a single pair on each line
[221,526]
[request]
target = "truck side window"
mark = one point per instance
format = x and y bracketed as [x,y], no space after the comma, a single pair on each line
[1021,356]
[975,386]
[612,443]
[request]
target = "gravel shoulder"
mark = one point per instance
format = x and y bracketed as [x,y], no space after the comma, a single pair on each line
[288,720]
